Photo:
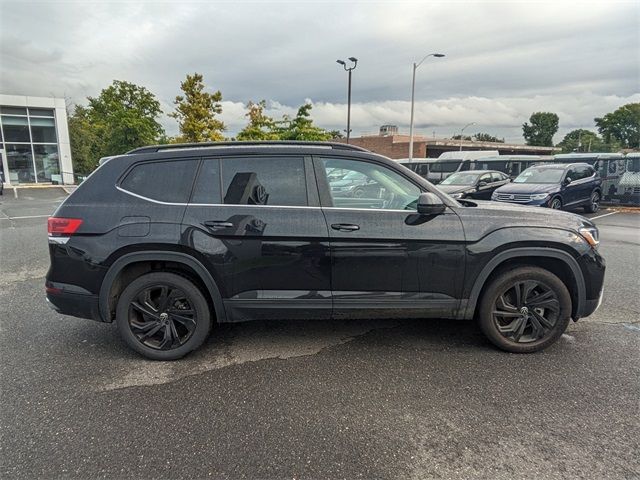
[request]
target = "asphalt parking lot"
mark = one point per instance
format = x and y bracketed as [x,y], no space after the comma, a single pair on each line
[361,399]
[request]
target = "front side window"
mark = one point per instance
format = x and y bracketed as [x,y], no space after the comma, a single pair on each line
[367,185]
[278,181]
[169,181]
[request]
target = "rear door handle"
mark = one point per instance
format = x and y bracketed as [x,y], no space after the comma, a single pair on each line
[217,224]
[345,227]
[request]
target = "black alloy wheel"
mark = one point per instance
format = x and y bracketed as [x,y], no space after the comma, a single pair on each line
[526,311]
[556,204]
[161,317]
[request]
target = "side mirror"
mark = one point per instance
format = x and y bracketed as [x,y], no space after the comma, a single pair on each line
[567,180]
[482,183]
[430,204]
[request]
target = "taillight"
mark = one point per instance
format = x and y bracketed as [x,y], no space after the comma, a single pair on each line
[63,226]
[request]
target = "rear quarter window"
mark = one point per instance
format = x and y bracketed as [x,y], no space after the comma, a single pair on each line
[168,181]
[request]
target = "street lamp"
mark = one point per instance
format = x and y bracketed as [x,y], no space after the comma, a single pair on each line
[349,69]
[463,128]
[413,89]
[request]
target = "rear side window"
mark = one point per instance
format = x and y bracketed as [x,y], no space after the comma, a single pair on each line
[264,181]
[162,181]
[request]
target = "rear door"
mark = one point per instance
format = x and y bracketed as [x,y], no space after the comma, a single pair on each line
[257,222]
[571,191]
[388,261]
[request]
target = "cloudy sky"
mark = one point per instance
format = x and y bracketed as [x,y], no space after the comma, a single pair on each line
[504,60]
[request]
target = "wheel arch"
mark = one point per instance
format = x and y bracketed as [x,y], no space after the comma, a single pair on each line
[137,263]
[558,262]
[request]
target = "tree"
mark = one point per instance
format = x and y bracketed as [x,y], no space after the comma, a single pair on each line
[582,140]
[543,127]
[461,137]
[485,137]
[622,125]
[123,117]
[84,141]
[301,127]
[196,112]
[260,126]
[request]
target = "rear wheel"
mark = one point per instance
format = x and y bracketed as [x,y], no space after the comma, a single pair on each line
[594,203]
[163,316]
[525,310]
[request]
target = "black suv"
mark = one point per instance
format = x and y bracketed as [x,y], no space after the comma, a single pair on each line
[168,240]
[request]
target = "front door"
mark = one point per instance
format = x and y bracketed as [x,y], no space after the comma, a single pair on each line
[257,221]
[387,261]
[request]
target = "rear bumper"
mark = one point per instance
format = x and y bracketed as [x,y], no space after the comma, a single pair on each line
[75,304]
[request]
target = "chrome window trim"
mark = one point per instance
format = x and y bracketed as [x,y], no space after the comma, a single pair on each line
[176,204]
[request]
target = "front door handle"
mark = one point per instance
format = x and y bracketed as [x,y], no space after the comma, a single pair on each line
[216,224]
[345,227]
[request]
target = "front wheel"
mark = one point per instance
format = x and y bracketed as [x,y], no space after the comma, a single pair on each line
[556,204]
[163,316]
[525,310]
[594,203]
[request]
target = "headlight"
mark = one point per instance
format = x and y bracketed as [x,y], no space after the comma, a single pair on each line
[494,195]
[457,195]
[591,235]
[540,196]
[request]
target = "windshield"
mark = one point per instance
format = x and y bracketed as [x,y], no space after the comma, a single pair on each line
[461,178]
[633,165]
[540,175]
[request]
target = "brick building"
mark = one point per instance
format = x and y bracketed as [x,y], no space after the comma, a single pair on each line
[393,145]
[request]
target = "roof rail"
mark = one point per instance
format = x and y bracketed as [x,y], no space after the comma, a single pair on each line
[270,143]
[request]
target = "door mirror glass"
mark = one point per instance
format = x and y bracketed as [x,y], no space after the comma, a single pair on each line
[430,204]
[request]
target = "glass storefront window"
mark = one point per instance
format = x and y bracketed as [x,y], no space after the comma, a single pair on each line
[20,162]
[13,110]
[16,129]
[40,112]
[43,130]
[47,163]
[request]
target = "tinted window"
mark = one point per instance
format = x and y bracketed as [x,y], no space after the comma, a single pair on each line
[162,181]
[207,187]
[264,181]
[367,185]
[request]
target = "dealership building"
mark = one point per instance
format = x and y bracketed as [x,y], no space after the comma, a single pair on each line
[34,140]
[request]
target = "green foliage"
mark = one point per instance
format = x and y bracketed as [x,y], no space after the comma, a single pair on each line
[260,126]
[485,137]
[582,140]
[301,127]
[196,112]
[543,127]
[462,137]
[123,117]
[336,134]
[622,125]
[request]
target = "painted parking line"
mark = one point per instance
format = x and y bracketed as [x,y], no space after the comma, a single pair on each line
[25,217]
[605,215]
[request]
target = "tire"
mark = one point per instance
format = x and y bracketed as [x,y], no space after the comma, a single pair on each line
[176,313]
[556,204]
[594,203]
[549,299]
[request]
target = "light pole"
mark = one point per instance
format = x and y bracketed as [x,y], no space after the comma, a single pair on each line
[463,128]
[349,69]
[413,91]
